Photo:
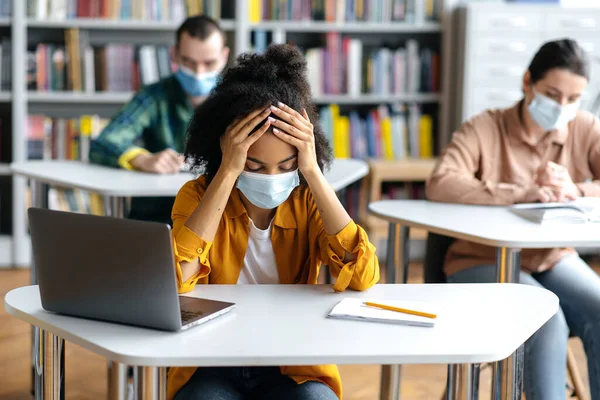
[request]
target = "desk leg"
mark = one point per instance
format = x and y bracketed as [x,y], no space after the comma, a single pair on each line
[507,379]
[390,382]
[397,240]
[117,381]
[49,368]
[397,261]
[114,206]
[151,383]
[463,382]
[405,256]
[39,199]
[117,373]
[507,375]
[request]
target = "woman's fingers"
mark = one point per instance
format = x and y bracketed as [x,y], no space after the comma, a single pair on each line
[290,115]
[297,143]
[250,140]
[290,129]
[247,128]
[248,121]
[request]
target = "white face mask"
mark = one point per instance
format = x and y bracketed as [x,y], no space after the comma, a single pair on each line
[549,114]
[267,191]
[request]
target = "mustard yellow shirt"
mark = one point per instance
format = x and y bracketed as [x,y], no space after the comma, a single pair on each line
[300,244]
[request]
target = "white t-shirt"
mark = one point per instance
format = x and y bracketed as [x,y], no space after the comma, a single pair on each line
[259,262]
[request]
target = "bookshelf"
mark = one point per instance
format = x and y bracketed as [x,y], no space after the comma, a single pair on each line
[26,30]
[79,97]
[347,27]
[421,98]
[106,24]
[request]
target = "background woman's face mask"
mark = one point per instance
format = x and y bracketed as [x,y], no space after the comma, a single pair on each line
[267,191]
[549,114]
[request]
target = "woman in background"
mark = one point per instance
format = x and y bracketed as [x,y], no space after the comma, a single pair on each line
[543,149]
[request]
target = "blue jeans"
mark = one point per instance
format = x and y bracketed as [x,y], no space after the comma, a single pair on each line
[250,383]
[578,288]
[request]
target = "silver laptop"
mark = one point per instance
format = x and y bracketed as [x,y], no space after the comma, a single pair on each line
[113,270]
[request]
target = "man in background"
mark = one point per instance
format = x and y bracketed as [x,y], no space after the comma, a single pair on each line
[148,133]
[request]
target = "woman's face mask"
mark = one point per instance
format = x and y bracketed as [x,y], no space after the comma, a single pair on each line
[549,114]
[267,191]
[196,85]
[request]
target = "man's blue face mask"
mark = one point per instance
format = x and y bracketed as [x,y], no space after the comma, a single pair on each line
[196,85]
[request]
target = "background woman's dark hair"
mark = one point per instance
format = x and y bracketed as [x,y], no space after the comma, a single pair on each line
[562,54]
[255,81]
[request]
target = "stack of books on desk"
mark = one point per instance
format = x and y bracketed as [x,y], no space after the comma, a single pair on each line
[582,210]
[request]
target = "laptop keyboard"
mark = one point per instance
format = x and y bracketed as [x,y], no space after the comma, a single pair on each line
[187,316]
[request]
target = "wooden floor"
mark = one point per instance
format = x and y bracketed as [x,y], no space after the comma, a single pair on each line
[86,372]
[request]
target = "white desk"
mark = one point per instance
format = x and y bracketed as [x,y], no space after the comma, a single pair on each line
[114,182]
[279,332]
[488,225]
[116,185]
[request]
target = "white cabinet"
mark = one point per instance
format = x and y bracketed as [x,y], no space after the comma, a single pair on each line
[495,42]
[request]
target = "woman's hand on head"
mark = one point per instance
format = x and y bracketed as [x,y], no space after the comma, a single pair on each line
[297,130]
[237,140]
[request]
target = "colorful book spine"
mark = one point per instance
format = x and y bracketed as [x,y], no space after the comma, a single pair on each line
[344,66]
[339,11]
[388,132]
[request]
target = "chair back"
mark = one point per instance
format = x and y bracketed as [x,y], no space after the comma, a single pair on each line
[435,254]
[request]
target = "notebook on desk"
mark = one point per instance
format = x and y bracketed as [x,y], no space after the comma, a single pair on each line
[356,309]
[582,210]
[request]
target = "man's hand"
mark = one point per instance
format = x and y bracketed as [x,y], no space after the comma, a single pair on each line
[164,162]
[557,178]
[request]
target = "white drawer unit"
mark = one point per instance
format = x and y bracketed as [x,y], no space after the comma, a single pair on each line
[572,20]
[495,43]
[498,47]
[502,21]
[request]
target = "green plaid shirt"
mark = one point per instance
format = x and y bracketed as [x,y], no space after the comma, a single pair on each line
[155,119]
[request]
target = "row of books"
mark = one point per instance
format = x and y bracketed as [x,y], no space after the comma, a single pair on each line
[379,11]
[112,68]
[147,10]
[386,132]
[65,139]
[344,66]
[62,138]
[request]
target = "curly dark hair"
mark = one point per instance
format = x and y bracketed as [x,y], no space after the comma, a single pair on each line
[256,81]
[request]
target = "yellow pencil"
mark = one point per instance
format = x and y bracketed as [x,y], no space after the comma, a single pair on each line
[401,310]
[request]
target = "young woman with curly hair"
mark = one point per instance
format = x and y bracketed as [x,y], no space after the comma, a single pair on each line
[263,213]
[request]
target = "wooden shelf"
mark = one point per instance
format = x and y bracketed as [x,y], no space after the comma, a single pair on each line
[378,99]
[409,170]
[114,24]
[348,27]
[79,97]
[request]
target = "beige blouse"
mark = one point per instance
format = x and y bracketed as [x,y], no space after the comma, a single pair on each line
[492,160]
